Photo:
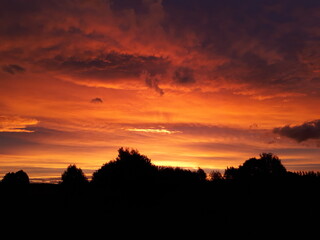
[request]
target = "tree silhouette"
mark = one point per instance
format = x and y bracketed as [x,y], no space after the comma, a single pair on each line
[9,178]
[201,174]
[231,173]
[269,165]
[73,177]
[17,178]
[215,176]
[22,177]
[129,168]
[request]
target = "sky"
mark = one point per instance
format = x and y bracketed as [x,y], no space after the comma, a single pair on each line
[187,83]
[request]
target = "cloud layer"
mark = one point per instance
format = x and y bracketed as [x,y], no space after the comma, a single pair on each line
[258,47]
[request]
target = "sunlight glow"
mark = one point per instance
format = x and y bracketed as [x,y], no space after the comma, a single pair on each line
[152,130]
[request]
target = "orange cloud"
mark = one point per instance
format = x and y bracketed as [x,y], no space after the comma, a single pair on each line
[16,124]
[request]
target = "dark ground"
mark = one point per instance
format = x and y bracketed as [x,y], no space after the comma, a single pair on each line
[222,207]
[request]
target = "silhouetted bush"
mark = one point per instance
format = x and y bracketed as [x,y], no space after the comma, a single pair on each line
[17,178]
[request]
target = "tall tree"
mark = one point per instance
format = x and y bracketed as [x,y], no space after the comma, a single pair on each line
[129,168]
[268,165]
[73,177]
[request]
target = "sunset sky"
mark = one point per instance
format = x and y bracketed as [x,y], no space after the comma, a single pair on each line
[189,83]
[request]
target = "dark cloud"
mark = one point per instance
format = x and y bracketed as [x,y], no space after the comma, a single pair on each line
[282,75]
[300,133]
[139,6]
[111,65]
[183,75]
[271,45]
[262,43]
[152,82]
[96,100]
[13,69]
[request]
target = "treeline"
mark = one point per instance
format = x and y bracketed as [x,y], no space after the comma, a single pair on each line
[133,168]
[132,191]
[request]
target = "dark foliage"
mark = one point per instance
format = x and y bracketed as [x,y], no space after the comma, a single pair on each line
[215,176]
[129,169]
[268,166]
[17,178]
[179,176]
[74,177]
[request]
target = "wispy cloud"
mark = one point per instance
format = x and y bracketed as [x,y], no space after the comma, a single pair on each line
[13,69]
[152,82]
[152,130]
[16,124]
